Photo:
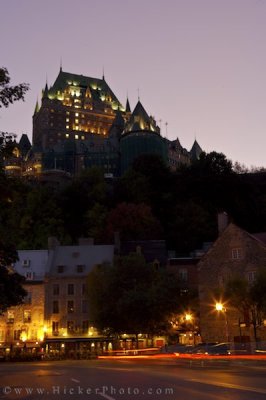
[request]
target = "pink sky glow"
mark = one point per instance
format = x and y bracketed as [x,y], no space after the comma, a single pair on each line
[199,65]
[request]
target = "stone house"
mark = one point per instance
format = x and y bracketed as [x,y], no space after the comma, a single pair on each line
[236,253]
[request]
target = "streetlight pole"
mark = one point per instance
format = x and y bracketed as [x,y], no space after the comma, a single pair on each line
[190,319]
[220,307]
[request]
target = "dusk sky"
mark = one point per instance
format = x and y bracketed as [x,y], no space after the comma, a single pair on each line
[199,65]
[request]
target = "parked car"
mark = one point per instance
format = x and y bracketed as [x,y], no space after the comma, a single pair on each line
[212,349]
[202,348]
[177,348]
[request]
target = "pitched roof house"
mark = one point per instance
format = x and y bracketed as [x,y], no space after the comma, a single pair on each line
[236,253]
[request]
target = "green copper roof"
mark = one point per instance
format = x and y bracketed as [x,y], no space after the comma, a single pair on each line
[140,121]
[98,87]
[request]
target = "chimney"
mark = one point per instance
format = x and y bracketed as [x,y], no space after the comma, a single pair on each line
[53,242]
[117,242]
[223,221]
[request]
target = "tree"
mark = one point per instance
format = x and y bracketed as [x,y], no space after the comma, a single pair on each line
[96,219]
[132,296]
[9,94]
[133,221]
[78,198]
[250,300]
[212,163]
[11,290]
[39,205]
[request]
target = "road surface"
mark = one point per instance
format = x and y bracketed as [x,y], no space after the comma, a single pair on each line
[132,379]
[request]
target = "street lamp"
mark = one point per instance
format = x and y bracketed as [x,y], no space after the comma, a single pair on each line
[190,320]
[221,307]
[188,317]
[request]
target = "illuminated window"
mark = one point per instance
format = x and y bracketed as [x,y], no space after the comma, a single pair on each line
[76,136]
[76,121]
[17,334]
[67,119]
[76,114]
[55,327]
[67,126]
[83,137]
[10,316]
[70,326]
[27,316]
[67,135]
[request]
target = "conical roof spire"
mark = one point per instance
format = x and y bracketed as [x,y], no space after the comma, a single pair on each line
[37,107]
[195,151]
[45,91]
[128,109]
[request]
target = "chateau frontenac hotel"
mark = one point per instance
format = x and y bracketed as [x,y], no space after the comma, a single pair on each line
[80,123]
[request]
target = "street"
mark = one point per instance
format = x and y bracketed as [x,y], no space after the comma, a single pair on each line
[166,379]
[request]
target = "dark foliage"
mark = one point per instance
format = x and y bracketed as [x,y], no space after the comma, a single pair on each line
[9,94]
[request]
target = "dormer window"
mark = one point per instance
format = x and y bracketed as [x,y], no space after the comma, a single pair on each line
[25,263]
[237,253]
